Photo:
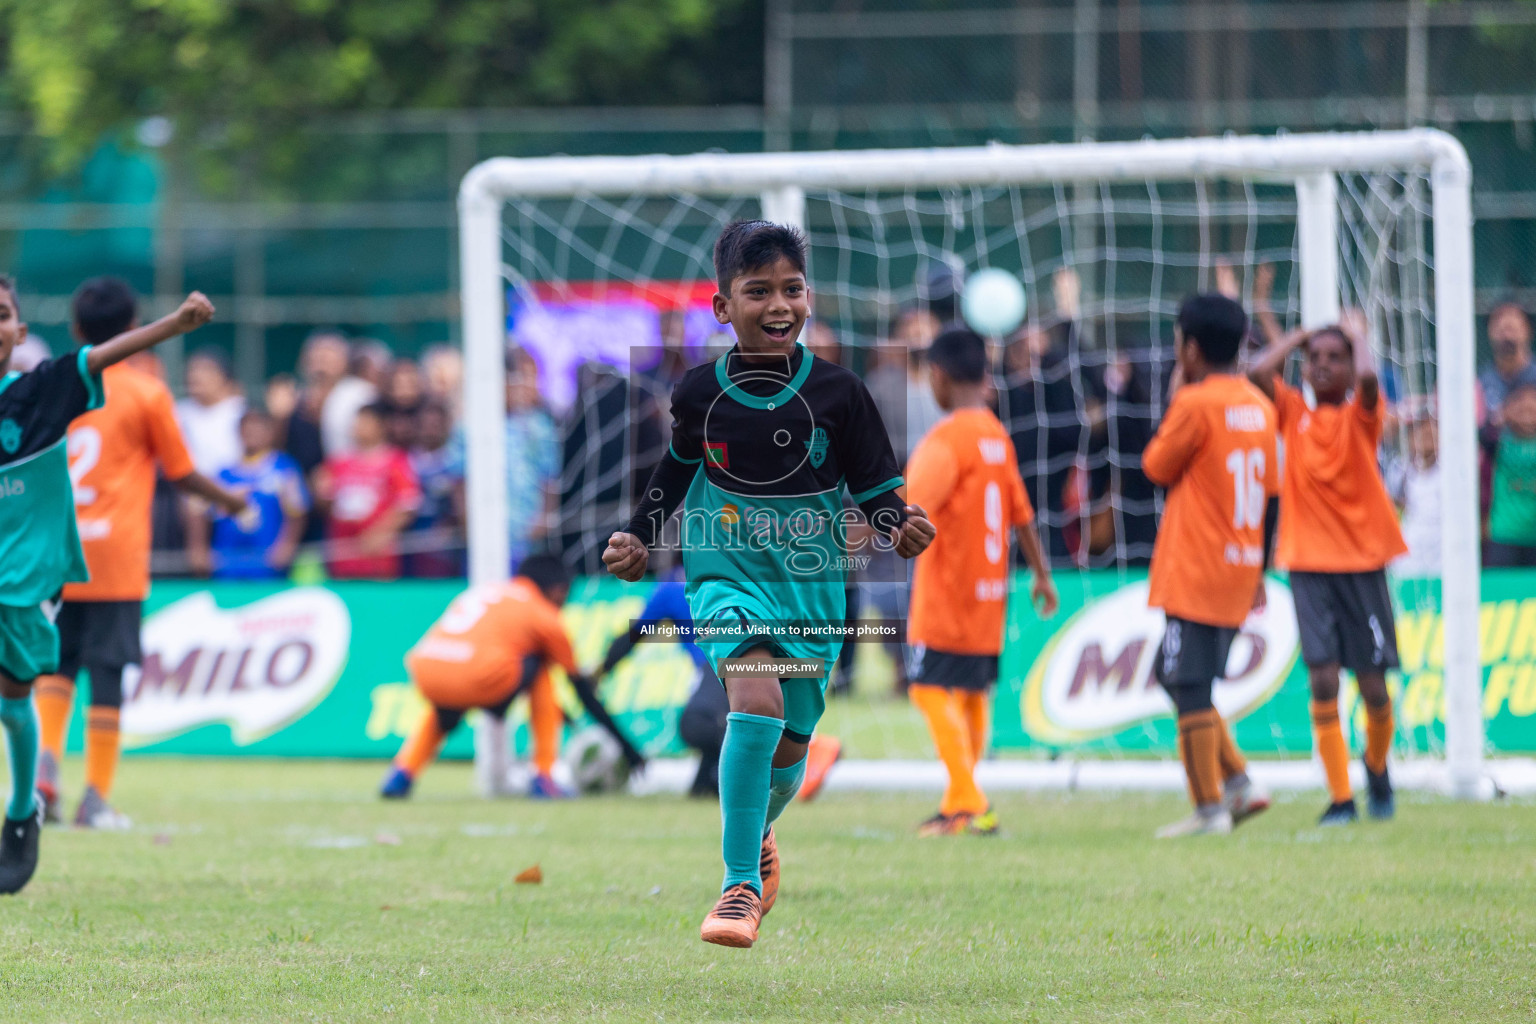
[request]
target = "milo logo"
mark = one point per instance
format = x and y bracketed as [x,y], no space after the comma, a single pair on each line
[1096,676]
[255,668]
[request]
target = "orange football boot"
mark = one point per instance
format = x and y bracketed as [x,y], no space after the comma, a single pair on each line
[945,825]
[768,864]
[822,754]
[734,920]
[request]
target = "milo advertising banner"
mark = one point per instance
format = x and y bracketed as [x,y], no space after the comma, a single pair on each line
[237,669]
[314,671]
[1084,681]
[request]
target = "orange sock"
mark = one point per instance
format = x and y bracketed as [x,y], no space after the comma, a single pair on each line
[977,708]
[1200,750]
[1231,759]
[421,746]
[947,723]
[101,749]
[1329,739]
[544,721]
[1378,736]
[55,698]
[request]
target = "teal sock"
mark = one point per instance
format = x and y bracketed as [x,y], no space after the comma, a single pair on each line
[746,766]
[783,784]
[20,723]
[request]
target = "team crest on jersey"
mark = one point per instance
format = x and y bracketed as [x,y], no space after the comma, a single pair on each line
[817,446]
[10,436]
[716,455]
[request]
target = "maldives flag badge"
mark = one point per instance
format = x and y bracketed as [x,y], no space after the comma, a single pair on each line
[715,455]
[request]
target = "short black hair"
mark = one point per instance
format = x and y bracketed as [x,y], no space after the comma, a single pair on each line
[1215,324]
[745,245]
[961,353]
[1509,306]
[544,571]
[216,356]
[257,412]
[1337,332]
[8,284]
[378,410]
[103,308]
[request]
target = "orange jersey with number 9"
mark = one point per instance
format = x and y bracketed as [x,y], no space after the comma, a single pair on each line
[1215,453]
[474,655]
[112,455]
[966,477]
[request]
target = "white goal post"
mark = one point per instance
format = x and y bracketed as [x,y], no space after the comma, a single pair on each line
[1310,161]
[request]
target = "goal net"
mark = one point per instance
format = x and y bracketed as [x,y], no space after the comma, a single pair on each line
[599,269]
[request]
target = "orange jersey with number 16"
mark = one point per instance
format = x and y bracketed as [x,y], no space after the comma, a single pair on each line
[965,475]
[112,456]
[1215,453]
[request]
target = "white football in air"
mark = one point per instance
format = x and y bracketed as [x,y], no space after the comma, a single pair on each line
[993,302]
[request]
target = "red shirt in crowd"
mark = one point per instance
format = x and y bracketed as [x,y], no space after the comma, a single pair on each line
[365,488]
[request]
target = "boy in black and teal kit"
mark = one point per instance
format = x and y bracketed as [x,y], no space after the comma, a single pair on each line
[39,544]
[764,441]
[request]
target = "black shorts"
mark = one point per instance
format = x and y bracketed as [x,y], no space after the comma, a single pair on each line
[1508,556]
[99,634]
[1345,618]
[957,671]
[1193,653]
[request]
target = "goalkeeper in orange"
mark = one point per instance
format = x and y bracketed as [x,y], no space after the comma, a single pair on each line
[964,471]
[493,644]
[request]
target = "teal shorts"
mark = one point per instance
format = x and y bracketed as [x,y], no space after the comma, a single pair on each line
[29,642]
[732,613]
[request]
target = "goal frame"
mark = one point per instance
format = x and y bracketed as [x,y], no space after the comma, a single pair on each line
[1311,161]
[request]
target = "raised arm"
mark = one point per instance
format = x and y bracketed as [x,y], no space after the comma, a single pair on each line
[1367,382]
[1263,308]
[1273,358]
[195,311]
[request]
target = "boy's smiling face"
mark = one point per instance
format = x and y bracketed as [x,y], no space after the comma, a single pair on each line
[12,331]
[767,307]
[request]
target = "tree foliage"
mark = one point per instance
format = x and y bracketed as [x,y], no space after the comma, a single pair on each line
[241,76]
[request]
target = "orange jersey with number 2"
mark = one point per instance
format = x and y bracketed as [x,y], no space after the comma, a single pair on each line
[474,655]
[965,475]
[1215,454]
[112,456]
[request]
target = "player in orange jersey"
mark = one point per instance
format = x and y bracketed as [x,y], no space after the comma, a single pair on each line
[1215,454]
[1338,531]
[113,452]
[965,473]
[492,644]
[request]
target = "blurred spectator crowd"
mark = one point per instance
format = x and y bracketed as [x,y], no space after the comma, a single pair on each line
[355,464]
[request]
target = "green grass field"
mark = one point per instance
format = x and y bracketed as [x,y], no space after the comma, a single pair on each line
[254,890]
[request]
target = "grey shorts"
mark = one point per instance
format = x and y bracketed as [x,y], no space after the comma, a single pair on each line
[1345,618]
[1193,653]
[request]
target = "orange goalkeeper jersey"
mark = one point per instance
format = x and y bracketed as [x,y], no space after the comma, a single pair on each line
[966,477]
[112,456]
[475,654]
[1215,453]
